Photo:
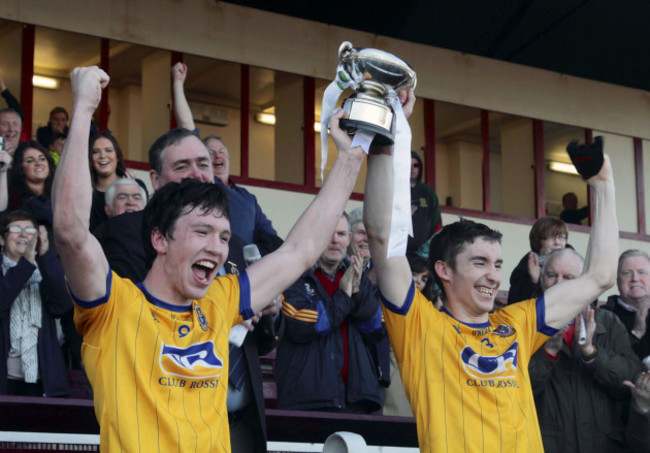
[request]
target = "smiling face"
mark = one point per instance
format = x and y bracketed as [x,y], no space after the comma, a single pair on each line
[36,169]
[10,126]
[472,286]
[220,159]
[188,158]
[128,198]
[16,245]
[359,242]
[634,279]
[104,157]
[193,255]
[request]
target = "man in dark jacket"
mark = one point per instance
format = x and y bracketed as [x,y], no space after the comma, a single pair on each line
[425,210]
[578,385]
[631,305]
[332,319]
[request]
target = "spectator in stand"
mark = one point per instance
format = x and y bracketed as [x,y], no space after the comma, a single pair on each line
[11,125]
[30,183]
[359,246]
[107,165]
[632,302]
[546,235]
[247,220]
[11,120]
[58,124]
[325,358]
[33,293]
[124,195]
[570,212]
[359,238]
[425,210]
[56,147]
[578,386]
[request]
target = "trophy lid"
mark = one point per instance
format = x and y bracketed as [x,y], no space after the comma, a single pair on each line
[377,65]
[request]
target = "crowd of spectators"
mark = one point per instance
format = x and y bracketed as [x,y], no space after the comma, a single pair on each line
[333,351]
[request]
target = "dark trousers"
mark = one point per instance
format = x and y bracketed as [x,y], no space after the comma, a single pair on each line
[22,388]
[244,437]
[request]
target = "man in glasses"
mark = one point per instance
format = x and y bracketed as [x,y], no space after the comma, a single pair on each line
[425,210]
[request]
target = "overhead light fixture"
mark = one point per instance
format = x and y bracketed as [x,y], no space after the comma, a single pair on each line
[45,82]
[561,167]
[269,119]
[265,118]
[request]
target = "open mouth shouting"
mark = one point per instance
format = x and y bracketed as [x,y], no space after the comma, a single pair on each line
[203,271]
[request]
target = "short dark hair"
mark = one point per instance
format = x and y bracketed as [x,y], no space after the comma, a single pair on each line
[544,228]
[170,138]
[56,136]
[120,169]
[417,263]
[176,199]
[452,239]
[16,175]
[14,216]
[56,110]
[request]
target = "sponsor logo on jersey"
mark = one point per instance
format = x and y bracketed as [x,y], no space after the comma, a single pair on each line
[503,330]
[197,361]
[503,366]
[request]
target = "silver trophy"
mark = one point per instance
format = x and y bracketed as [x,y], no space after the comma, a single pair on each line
[369,109]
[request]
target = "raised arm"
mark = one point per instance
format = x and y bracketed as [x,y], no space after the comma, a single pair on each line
[310,235]
[393,274]
[565,300]
[82,257]
[182,111]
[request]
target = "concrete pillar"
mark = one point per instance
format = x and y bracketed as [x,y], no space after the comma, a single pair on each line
[156,101]
[466,180]
[517,167]
[289,143]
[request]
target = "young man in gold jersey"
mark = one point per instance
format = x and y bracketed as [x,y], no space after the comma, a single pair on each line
[465,370]
[156,353]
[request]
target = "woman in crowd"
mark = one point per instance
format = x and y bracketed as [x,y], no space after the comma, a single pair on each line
[34,293]
[106,166]
[546,235]
[30,182]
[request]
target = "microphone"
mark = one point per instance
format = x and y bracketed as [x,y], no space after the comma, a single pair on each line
[251,254]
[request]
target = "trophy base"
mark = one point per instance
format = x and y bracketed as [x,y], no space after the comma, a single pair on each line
[383,137]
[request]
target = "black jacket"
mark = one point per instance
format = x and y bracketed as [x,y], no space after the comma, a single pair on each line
[310,354]
[55,301]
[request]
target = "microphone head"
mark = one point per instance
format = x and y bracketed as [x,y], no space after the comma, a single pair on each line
[251,254]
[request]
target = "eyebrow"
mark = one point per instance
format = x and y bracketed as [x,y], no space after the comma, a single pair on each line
[485,259]
[208,226]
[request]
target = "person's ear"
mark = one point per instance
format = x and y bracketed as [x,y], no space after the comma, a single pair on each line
[442,270]
[159,241]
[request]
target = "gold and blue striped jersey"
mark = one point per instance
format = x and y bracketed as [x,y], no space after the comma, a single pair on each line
[159,372]
[468,384]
